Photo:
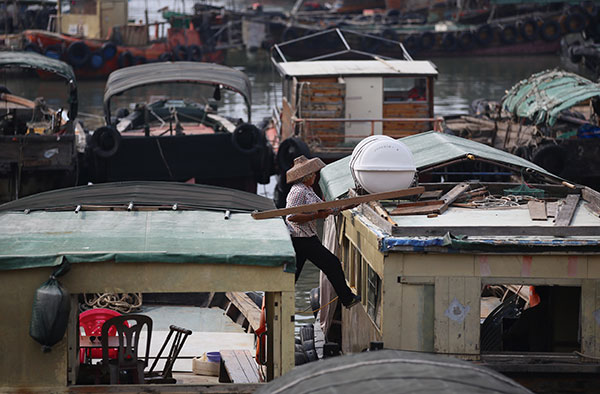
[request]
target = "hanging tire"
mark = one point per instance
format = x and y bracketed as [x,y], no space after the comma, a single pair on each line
[125,59]
[288,150]
[484,35]
[181,53]
[550,30]
[449,41]
[96,60]
[105,141]
[246,138]
[528,29]
[166,57]
[427,40]
[32,47]
[195,53]
[550,157]
[53,51]
[575,22]
[508,34]
[78,54]
[109,50]
[465,40]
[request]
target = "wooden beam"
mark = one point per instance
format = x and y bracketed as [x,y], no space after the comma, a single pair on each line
[246,306]
[434,231]
[537,210]
[565,214]
[338,203]
[452,195]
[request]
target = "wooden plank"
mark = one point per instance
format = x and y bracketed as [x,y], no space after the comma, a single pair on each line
[424,231]
[247,307]
[472,320]
[565,214]
[374,217]
[588,322]
[537,210]
[441,322]
[591,195]
[338,203]
[238,367]
[452,195]
[431,195]
[417,210]
[456,328]
[552,209]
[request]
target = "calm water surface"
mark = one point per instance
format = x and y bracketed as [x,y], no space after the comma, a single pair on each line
[460,81]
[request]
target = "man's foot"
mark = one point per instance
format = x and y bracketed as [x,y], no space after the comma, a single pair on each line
[355,300]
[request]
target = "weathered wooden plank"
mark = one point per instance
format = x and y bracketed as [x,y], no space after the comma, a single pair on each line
[374,217]
[472,319]
[441,322]
[247,307]
[418,209]
[423,231]
[452,195]
[431,194]
[456,326]
[591,195]
[338,203]
[537,210]
[588,322]
[552,209]
[565,214]
[237,366]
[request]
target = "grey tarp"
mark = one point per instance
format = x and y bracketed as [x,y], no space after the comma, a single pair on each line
[128,78]
[429,149]
[392,371]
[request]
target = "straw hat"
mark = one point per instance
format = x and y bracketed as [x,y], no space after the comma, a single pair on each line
[302,167]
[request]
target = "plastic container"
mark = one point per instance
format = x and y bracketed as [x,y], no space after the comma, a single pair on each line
[381,164]
[214,357]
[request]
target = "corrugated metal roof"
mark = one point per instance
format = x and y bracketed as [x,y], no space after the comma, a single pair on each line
[356,67]
[429,149]
[544,95]
[41,239]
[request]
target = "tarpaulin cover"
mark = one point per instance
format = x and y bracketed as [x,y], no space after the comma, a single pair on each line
[128,78]
[543,96]
[429,149]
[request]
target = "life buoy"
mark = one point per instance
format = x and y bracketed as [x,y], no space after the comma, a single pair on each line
[288,150]
[575,22]
[246,138]
[508,34]
[166,57]
[105,141]
[78,54]
[550,30]
[427,40]
[125,59]
[261,337]
[550,157]
[96,60]
[465,39]
[53,51]
[181,52]
[484,35]
[32,47]
[528,29]
[109,50]
[195,53]
[449,41]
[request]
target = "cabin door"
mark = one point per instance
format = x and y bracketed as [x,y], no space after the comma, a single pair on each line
[364,100]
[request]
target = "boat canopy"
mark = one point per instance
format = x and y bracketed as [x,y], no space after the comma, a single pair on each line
[35,61]
[153,230]
[543,96]
[211,74]
[429,149]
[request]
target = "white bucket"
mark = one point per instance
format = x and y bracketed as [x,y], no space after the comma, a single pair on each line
[380,164]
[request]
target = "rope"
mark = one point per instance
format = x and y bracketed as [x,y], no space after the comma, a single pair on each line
[123,303]
[316,310]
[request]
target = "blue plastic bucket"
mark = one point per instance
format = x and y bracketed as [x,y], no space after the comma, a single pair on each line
[214,357]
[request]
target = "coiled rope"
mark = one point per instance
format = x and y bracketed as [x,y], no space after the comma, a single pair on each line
[120,302]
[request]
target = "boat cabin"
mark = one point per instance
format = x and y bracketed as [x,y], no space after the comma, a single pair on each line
[497,262]
[92,18]
[136,237]
[332,101]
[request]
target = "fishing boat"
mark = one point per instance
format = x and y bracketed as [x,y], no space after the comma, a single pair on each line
[96,38]
[39,145]
[550,118]
[139,237]
[427,267]
[176,131]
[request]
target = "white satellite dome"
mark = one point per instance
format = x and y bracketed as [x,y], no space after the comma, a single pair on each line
[380,163]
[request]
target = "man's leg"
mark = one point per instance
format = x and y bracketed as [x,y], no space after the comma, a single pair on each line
[299,244]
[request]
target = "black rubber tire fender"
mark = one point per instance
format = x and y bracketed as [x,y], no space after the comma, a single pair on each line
[289,149]
[125,59]
[32,47]
[166,57]
[246,138]
[181,53]
[575,22]
[449,41]
[109,50]
[195,52]
[484,35]
[105,141]
[412,43]
[550,157]
[508,34]
[139,60]
[427,40]
[529,29]
[466,39]
[550,30]
[54,51]
[96,60]
[78,54]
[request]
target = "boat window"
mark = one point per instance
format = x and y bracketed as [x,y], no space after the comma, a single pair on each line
[374,296]
[80,7]
[524,318]
[404,89]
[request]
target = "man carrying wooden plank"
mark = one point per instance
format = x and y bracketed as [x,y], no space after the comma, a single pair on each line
[303,228]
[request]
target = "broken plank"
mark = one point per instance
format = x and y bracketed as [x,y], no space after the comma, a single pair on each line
[431,195]
[418,210]
[565,214]
[308,208]
[452,195]
[551,209]
[537,210]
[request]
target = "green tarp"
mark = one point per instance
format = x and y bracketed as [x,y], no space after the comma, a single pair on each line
[428,149]
[42,238]
[541,97]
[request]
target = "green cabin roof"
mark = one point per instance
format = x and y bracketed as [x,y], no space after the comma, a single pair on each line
[429,149]
[41,238]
